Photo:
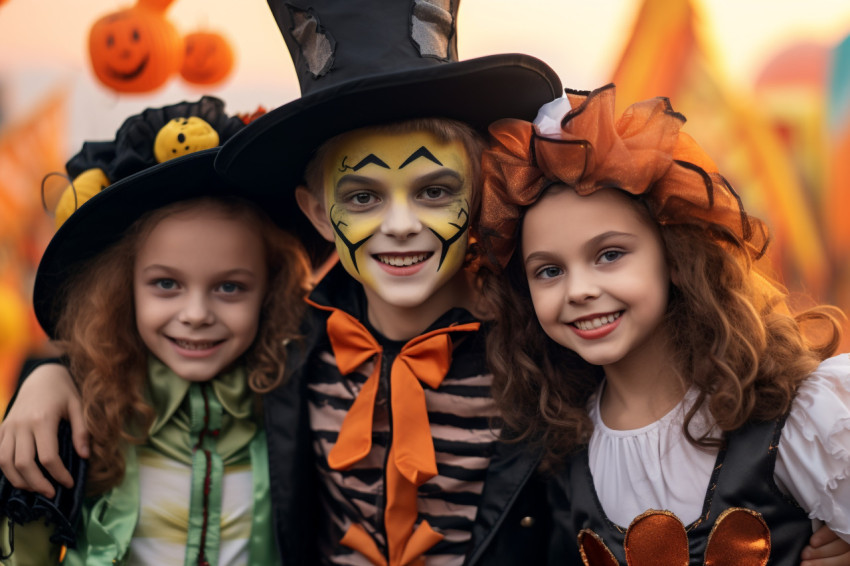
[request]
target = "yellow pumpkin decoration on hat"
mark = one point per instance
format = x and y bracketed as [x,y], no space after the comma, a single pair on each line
[85,186]
[153,136]
[183,135]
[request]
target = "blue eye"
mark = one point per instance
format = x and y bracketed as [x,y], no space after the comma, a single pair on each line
[610,256]
[166,284]
[229,287]
[548,272]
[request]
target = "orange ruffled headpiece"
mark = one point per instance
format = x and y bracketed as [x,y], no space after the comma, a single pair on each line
[643,153]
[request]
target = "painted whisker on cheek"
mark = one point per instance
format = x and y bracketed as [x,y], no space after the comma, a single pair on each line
[352,247]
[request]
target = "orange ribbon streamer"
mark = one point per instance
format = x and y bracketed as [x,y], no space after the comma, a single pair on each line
[411,461]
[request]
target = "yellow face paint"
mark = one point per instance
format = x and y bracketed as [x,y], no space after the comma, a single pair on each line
[399,206]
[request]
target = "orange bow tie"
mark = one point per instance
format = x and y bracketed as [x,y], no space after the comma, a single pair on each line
[411,461]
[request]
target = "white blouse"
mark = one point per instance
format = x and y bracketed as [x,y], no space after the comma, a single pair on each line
[655,467]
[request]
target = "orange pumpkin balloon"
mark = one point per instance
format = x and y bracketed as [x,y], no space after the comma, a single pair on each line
[208,58]
[134,50]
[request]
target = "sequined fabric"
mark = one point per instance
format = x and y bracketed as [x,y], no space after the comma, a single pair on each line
[739,537]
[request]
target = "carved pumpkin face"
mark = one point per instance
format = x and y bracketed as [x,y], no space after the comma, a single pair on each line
[134,50]
[208,58]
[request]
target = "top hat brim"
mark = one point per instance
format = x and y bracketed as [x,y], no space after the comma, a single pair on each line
[103,220]
[271,153]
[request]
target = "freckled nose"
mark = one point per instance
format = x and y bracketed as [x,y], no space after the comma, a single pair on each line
[401,222]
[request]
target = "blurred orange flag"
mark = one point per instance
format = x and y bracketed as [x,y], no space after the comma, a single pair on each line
[668,55]
[836,202]
[29,150]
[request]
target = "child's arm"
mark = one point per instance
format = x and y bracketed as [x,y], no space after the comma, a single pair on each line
[826,549]
[30,428]
[813,463]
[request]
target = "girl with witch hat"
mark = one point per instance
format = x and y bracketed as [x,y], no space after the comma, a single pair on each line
[635,332]
[169,295]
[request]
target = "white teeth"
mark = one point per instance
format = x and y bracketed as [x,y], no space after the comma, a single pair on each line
[188,345]
[402,261]
[596,322]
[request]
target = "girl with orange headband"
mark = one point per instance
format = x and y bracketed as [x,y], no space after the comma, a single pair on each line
[687,415]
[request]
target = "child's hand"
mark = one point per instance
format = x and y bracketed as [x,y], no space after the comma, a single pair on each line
[825,549]
[47,396]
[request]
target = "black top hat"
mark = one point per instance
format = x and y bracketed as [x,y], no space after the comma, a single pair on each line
[102,220]
[366,62]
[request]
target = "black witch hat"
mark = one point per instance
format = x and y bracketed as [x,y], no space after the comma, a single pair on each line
[367,62]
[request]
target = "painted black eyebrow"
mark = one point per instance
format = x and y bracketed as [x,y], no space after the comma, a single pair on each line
[421,152]
[370,159]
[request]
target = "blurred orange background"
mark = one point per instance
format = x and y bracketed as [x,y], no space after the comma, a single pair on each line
[765,85]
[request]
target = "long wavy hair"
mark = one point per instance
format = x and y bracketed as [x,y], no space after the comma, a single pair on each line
[732,335]
[97,332]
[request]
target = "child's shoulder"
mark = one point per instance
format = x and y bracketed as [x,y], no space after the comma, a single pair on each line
[820,413]
[836,366]
[830,379]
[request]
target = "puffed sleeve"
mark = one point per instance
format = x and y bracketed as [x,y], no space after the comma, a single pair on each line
[813,461]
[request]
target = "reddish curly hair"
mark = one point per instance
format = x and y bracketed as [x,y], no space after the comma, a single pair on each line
[108,361]
[732,335]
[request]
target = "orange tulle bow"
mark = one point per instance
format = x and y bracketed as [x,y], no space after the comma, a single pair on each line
[411,460]
[643,153]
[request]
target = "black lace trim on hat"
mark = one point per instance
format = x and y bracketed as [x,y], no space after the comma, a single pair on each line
[132,150]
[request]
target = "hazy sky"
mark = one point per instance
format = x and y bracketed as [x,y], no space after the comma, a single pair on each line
[43,46]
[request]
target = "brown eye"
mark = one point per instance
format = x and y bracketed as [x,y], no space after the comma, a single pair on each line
[362,198]
[434,192]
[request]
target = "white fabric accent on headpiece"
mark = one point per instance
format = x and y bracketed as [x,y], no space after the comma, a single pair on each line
[548,120]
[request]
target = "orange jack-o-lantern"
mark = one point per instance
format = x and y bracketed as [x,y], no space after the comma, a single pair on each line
[208,58]
[134,50]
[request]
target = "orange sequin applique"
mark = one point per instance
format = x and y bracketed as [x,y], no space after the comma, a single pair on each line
[739,537]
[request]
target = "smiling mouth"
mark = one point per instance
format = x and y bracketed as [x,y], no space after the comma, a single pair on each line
[131,74]
[596,322]
[196,345]
[403,260]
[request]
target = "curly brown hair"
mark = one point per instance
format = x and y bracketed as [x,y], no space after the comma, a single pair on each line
[732,335]
[108,361]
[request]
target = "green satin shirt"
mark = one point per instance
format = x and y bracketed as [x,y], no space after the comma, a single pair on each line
[109,520]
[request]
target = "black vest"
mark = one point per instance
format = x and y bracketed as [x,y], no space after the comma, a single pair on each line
[742,478]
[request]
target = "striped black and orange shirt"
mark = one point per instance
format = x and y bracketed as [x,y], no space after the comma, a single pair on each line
[461,413]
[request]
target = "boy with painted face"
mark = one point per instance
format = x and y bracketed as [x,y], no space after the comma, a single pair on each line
[397,206]
[392,407]
[397,392]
